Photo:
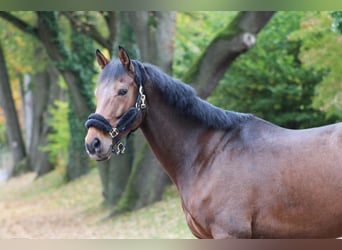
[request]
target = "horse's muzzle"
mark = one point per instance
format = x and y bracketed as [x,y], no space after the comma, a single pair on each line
[94,147]
[94,150]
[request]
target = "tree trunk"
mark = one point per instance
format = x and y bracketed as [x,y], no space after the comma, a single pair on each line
[44,92]
[27,108]
[115,173]
[236,38]
[78,81]
[147,179]
[20,159]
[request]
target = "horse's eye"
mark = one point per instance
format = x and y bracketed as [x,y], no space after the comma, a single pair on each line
[122,92]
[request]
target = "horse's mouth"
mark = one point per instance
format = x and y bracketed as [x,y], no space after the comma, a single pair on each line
[104,158]
[101,157]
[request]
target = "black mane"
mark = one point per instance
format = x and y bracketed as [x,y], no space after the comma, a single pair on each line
[183,97]
[180,95]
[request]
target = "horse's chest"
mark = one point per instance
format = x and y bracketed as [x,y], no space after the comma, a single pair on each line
[195,227]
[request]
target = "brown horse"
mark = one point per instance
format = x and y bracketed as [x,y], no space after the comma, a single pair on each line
[238,176]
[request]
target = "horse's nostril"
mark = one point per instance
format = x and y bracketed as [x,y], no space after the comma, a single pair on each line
[90,149]
[96,145]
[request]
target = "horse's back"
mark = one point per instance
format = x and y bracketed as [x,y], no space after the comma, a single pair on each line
[299,188]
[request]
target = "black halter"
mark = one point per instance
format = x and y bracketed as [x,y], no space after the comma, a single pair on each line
[127,120]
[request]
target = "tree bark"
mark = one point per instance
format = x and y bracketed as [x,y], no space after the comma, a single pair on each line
[20,158]
[236,38]
[27,107]
[45,91]
[115,173]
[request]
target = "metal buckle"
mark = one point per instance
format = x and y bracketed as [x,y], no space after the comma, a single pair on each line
[143,104]
[114,133]
[119,149]
[142,98]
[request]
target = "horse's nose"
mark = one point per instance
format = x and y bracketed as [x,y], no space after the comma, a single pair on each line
[94,147]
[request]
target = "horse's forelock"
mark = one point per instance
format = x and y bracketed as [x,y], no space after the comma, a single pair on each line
[112,70]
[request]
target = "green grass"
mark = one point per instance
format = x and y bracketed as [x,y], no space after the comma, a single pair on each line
[48,208]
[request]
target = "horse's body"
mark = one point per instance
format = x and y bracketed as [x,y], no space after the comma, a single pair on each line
[238,176]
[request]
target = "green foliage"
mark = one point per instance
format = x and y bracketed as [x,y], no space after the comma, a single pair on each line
[337,23]
[82,63]
[60,137]
[270,81]
[3,138]
[23,53]
[77,51]
[78,162]
[190,42]
[321,49]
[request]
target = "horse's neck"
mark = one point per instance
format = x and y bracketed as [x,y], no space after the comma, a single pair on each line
[172,138]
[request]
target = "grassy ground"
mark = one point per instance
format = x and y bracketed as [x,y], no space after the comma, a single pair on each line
[46,209]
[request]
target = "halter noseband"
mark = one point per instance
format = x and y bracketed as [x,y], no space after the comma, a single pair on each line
[101,123]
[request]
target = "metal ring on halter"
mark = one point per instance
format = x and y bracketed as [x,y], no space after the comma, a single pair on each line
[114,133]
[120,148]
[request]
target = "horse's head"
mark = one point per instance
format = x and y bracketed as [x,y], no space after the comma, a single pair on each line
[119,100]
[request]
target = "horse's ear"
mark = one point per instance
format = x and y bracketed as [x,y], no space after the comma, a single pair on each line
[101,59]
[125,60]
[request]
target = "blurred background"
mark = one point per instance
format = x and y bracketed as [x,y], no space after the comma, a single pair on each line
[49,188]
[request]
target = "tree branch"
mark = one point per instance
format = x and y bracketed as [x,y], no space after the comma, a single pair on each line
[88,29]
[237,37]
[20,24]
